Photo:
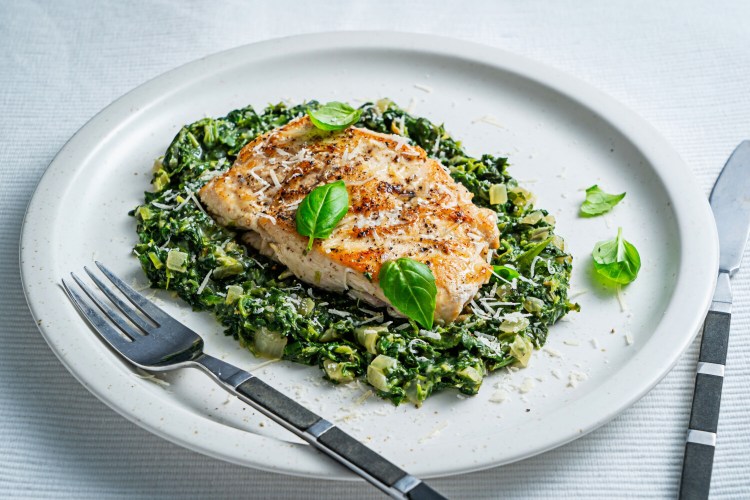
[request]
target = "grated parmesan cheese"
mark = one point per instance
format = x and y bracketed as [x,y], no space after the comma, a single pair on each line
[274,178]
[621,299]
[162,205]
[489,342]
[412,107]
[552,352]
[197,203]
[257,177]
[526,386]
[435,431]
[204,282]
[499,396]
[527,280]
[262,365]
[269,217]
[490,120]
[575,378]
[532,267]
[261,191]
[377,318]
[427,333]
[343,314]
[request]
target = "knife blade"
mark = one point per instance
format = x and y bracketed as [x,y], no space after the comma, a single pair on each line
[730,203]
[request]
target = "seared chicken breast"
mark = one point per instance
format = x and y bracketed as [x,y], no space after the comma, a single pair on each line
[402,204]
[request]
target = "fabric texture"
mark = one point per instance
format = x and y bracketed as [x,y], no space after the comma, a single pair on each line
[682,65]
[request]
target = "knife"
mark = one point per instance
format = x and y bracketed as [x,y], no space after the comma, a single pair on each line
[730,202]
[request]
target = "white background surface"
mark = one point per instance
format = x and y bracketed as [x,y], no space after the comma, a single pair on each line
[683,66]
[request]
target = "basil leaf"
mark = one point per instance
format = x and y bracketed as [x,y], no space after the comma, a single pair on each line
[617,259]
[598,202]
[334,116]
[321,210]
[505,272]
[410,286]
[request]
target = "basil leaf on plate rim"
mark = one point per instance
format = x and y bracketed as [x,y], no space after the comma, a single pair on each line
[617,259]
[410,287]
[334,116]
[598,202]
[321,210]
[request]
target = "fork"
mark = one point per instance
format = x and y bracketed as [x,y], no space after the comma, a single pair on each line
[152,340]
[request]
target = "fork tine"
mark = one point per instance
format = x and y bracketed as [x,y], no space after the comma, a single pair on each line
[96,320]
[118,320]
[128,311]
[154,313]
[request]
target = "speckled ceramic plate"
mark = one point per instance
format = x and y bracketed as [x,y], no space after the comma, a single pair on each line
[561,136]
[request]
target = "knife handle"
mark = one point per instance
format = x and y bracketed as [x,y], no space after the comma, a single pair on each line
[332,441]
[704,415]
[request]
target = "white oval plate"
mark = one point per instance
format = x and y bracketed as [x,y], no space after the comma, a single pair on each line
[561,136]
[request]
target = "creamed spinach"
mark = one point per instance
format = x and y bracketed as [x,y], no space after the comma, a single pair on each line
[268,310]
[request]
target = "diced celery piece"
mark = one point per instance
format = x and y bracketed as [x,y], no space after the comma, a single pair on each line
[522,197]
[269,344]
[417,391]
[539,234]
[229,266]
[472,374]
[382,105]
[378,370]
[514,322]
[344,350]
[161,180]
[533,304]
[368,336]
[155,260]
[559,242]
[234,292]
[498,194]
[177,261]
[531,218]
[145,213]
[335,371]
[307,306]
[521,349]
[226,271]
[329,335]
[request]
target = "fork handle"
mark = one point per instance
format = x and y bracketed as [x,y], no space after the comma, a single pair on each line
[319,432]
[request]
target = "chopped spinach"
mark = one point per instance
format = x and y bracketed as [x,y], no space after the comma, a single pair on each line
[271,312]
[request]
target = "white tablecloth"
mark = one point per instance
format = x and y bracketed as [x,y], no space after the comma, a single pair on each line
[684,66]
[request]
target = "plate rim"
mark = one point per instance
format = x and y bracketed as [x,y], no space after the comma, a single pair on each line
[300,460]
